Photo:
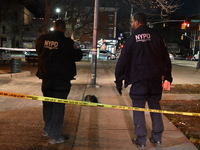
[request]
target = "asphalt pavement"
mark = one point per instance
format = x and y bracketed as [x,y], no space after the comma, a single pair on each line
[89,128]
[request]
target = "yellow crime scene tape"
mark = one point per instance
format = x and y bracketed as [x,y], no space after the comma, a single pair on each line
[84,103]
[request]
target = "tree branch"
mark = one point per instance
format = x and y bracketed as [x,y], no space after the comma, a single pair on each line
[166,6]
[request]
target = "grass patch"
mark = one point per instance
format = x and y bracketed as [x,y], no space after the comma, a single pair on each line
[184,89]
[188,125]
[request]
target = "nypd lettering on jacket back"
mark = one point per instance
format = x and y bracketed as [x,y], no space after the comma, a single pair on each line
[50,44]
[143,37]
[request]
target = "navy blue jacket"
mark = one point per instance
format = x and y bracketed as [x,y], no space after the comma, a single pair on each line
[57,56]
[144,56]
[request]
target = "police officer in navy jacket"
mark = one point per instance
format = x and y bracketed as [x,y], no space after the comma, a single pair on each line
[144,64]
[56,68]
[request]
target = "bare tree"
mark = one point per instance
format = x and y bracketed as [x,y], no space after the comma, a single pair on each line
[78,18]
[6,7]
[74,12]
[49,5]
[11,20]
[162,7]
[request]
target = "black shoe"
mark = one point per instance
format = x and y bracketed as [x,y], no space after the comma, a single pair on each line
[156,143]
[140,146]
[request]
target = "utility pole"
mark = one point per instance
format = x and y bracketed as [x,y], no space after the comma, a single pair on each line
[94,50]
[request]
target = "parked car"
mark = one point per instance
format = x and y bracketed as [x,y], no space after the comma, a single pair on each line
[196,56]
[190,57]
[105,55]
[30,53]
[86,54]
[179,56]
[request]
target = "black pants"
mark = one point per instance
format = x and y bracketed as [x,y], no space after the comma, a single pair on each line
[53,113]
[150,91]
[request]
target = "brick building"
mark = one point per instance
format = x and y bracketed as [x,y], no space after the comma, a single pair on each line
[107,22]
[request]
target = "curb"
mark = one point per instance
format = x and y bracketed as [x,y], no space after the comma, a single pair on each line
[15,75]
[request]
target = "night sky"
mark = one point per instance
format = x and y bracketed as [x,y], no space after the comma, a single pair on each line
[190,8]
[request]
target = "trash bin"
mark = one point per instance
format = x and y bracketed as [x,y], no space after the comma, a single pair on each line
[15,65]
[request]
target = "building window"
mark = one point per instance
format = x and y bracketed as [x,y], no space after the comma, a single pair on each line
[110,32]
[110,19]
[3,30]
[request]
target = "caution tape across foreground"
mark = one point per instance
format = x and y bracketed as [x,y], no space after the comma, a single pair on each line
[84,103]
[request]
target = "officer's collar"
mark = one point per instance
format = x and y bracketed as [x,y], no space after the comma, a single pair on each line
[58,32]
[142,26]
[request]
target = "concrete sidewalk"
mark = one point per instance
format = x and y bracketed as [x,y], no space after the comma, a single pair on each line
[185,63]
[89,128]
[103,128]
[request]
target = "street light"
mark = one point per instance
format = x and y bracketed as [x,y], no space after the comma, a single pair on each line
[58,11]
[52,29]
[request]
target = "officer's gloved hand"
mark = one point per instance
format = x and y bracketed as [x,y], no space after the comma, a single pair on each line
[119,86]
[119,89]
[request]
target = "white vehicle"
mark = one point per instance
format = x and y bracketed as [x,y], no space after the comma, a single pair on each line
[104,55]
[196,56]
